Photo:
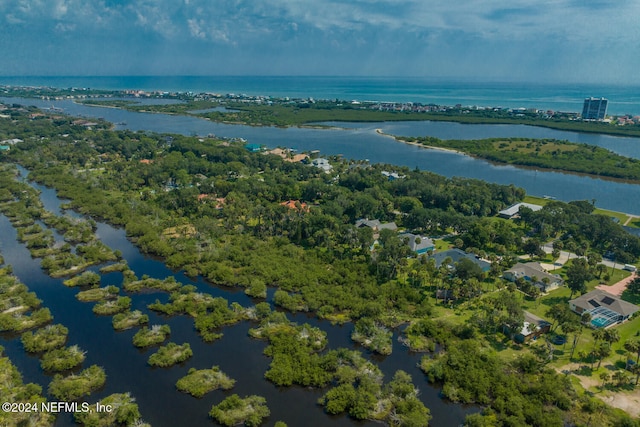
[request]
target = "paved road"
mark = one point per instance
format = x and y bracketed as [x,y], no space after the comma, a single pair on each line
[564,257]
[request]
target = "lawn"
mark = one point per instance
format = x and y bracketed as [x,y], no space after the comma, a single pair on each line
[443,244]
[622,217]
[535,200]
[626,330]
[561,295]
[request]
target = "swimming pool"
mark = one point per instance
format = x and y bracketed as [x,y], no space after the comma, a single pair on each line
[601,322]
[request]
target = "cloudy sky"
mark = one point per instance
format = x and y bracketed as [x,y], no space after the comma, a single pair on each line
[516,40]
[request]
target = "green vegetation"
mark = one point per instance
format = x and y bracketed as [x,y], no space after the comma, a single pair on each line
[13,390]
[111,307]
[543,153]
[170,354]
[62,359]
[19,322]
[45,339]
[234,410]
[129,320]
[362,395]
[295,352]
[146,337]
[168,285]
[125,413]
[18,307]
[74,230]
[357,384]
[209,313]
[374,337]
[88,278]
[98,294]
[75,386]
[200,382]
[121,266]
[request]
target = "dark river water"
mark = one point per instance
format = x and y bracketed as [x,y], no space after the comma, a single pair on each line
[360,141]
[154,388]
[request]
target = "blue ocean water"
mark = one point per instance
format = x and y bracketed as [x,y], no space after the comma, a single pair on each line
[557,97]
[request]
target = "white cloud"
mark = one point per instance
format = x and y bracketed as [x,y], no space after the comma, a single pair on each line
[412,36]
[64,28]
[195,27]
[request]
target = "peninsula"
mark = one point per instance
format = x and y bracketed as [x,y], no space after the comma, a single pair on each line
[541,153]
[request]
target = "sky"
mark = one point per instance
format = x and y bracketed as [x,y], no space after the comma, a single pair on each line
[585,41]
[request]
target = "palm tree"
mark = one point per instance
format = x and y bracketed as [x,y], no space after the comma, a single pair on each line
[602,352]
[570,247]
[604,376]
[611,336]
[620,378]
[598,334]
[570,328]
[633,346]
[635,369]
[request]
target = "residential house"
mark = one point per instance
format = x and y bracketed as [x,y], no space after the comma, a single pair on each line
[456,255]
[376,225]
[322,163]
[392,176]
[532,328]
[254,148]
[513,211]
[530,270]
[296,205]
[287,155]
[605,309]
[418,244]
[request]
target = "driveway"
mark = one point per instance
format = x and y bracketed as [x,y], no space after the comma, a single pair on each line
[618,288]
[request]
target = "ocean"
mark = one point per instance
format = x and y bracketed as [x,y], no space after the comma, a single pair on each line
[558,97]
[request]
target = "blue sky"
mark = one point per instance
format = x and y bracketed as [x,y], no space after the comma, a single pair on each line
[515,40]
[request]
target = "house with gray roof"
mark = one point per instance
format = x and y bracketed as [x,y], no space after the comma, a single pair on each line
[605,309]
[418,244]
[532,327]
[533,270]
[376,225]
[456,255]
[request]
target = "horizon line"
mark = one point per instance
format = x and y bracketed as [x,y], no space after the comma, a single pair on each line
[444,79]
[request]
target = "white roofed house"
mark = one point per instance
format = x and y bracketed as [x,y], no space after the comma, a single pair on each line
[376,225]
[323,164]
[513,211]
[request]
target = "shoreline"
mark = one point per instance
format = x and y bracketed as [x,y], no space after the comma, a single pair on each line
[417,144]
[535,168]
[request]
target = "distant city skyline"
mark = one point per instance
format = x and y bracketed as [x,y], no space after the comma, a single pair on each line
[497,40]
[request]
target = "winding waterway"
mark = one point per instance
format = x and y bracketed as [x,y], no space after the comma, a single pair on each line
[154,389]
[360,141]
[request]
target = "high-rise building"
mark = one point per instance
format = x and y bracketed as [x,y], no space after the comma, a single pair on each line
[594,108]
